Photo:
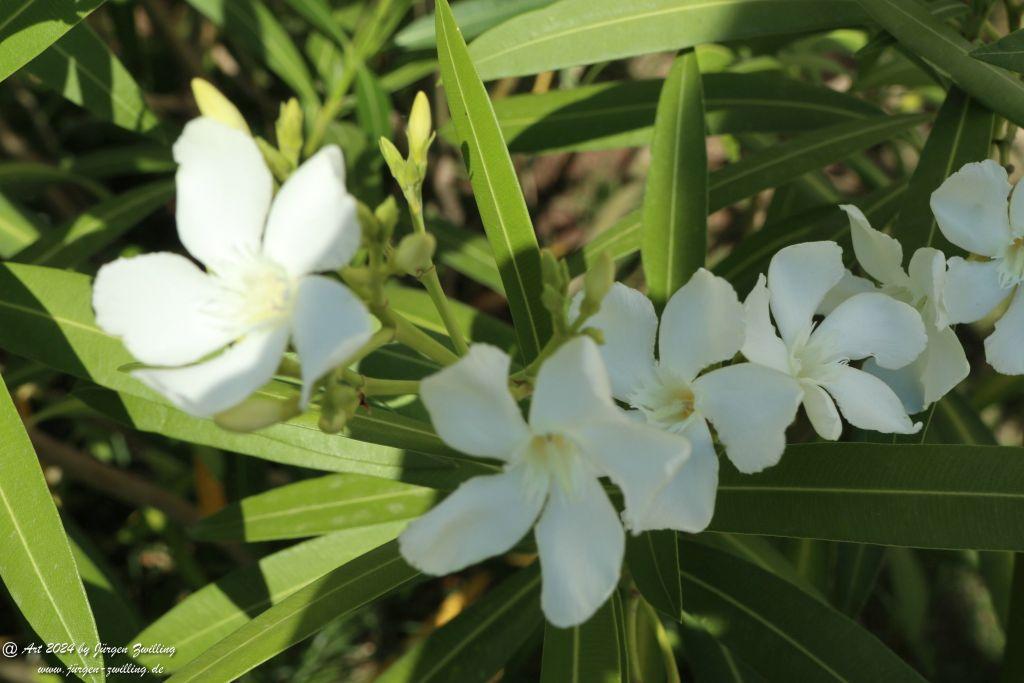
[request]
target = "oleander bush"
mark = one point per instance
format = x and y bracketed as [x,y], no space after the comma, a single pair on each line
[511,340]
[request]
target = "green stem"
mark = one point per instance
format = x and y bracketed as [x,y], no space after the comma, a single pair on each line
[432,283]
[418,340]
[332,107]
[373,386]
[669,657]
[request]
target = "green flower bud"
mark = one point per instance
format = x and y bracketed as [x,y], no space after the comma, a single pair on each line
[598,282]
[415,253]
[289,131]
[386,214]
[339,405]
[214,105]
[276,162]
[368,222]
[394,159]
[554,273]
[257,412]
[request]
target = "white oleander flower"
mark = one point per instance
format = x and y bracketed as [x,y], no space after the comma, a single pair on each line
[553,462]
[972,210]
[943,364]
[258,290]
[749,405]
[867,324]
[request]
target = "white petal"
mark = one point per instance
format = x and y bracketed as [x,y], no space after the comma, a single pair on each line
[941,367]
[640,459]
[872,324]
[160,305]
[581,545]
[572,388]
[485,516]
[821,411]
[928,279]
[1017,209]
[702,324]
[224,190]
[210,387]
[868,402]
[972,290]
[970,208]
[847,287]
[470,405]
[687,503]
[750,407]
[1004,348]
[761,343]
[879,255]
[329,324]
[629,325]
[313,225]
[799,277]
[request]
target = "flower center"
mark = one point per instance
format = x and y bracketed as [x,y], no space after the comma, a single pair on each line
[551,458]
[666,400]
[812,360]
[257,292]
[1011,270]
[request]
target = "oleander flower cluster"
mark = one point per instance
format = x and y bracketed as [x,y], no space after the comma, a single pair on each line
[617,429]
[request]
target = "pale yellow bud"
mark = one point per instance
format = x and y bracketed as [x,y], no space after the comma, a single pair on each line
[415,253]
[214,105]
[289,130]
[420,131]
[598,281]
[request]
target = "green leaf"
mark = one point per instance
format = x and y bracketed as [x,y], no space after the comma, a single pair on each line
[927,37]
[923,496]
[318,14]
[253,26]
[473,647]
[98,227]
[620,240]
[495,186]
[373,109]
[314,507]
[1013,653]
[653,561]
[589,652]
[36,565]
[217,610]
[962,133]
[417,307]
[300,615]
[782,632]
[473,17]
[710,660]
[621,113]
[674,239]
[760,551]
[466,252]
[857,567]
[82,68]
[573,32]
[112,162]
[21,173]
[28,27]
[1007,52]
[116,617]
[17,228]
[793,158]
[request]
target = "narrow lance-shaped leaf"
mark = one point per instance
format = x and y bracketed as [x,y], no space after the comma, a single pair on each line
[1007,52]
[300,615]
[28,27]
[782,632]
[653,561]
[962,133]
[83,69]
[318,13]
[573,32]
[316,506]
[592,651]
[914,27]
[675,206]
[473,16]
[923,496]
[218,609]
[495,186]
[473,647]
[17,228]
[36,564]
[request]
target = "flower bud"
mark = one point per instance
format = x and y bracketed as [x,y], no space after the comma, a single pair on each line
[598,282]
[257,412]
[394,159]
[554,273]
[415,253]
[386,214]
[276,162]
[419,131]
[368,222]
[214,105]
[339,405]
[289,131]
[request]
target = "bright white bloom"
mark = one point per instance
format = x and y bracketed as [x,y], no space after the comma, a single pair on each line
[552,467]
[943,364]
[973,213]
[866,324]
[749,405]
[258,289]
